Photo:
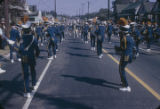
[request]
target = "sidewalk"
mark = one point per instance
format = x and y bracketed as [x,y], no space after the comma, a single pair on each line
[4,53]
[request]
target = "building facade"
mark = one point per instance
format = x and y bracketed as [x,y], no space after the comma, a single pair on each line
[156,11]
[135,10]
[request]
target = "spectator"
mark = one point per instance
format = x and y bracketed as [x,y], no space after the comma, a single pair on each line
[1,33]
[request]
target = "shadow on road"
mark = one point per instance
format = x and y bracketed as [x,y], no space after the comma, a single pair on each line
[1,107]
[42,50]
[94,81]
[80,55]
[62,103]
[77,48]
[43,57]
[108,48]
[76,42]
[158,107]
[10,87]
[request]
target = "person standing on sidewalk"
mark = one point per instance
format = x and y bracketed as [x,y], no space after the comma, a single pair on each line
[1,70]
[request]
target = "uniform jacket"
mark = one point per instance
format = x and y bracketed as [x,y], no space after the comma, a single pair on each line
[137,34]
[29,55]
[39,30]
[110,29]
[14,35]
[150,32]
[86,29]
[93,31]
[101,31]
[127,45]
[52,31]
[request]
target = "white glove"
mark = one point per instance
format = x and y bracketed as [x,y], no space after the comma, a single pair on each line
[11,42]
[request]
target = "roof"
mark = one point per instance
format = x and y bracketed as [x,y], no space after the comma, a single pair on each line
[156,8]
[146,8]
[122,1]
[120,7]
[132,6]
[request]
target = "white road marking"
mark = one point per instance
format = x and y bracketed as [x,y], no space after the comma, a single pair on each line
[28,101]
[152,51]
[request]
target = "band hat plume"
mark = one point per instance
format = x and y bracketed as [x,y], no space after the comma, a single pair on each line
[123,22]
[149,23]
[124,25]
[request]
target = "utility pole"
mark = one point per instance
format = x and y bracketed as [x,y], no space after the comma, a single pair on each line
[6,18]
[55,8]
[108,9]
[88,8]
[79,12]
[82,8]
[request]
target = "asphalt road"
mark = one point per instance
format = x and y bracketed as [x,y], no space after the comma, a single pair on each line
[77,79]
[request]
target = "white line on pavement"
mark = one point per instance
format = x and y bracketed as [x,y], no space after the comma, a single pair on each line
[152,51]
[28,101]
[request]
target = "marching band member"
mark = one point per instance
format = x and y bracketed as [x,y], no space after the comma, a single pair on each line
[149,36]
[52,42]
[14,36]
[126,45]
[100,38]
[39,33]
[93,36]
[29,50]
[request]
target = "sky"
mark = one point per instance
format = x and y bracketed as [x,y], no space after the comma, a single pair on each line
[71,7]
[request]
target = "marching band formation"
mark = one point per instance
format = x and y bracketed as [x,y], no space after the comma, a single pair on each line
[27,38]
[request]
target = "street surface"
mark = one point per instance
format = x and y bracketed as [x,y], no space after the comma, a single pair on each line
[78,79]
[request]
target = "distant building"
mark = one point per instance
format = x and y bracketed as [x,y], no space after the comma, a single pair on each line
[118,6]
[131,11]
[34,15]
[118,10]
[16,10]
[156,11]
[145,11]
[135,10]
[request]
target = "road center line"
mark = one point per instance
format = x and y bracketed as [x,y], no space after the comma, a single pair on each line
[145,85]
[28,101]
